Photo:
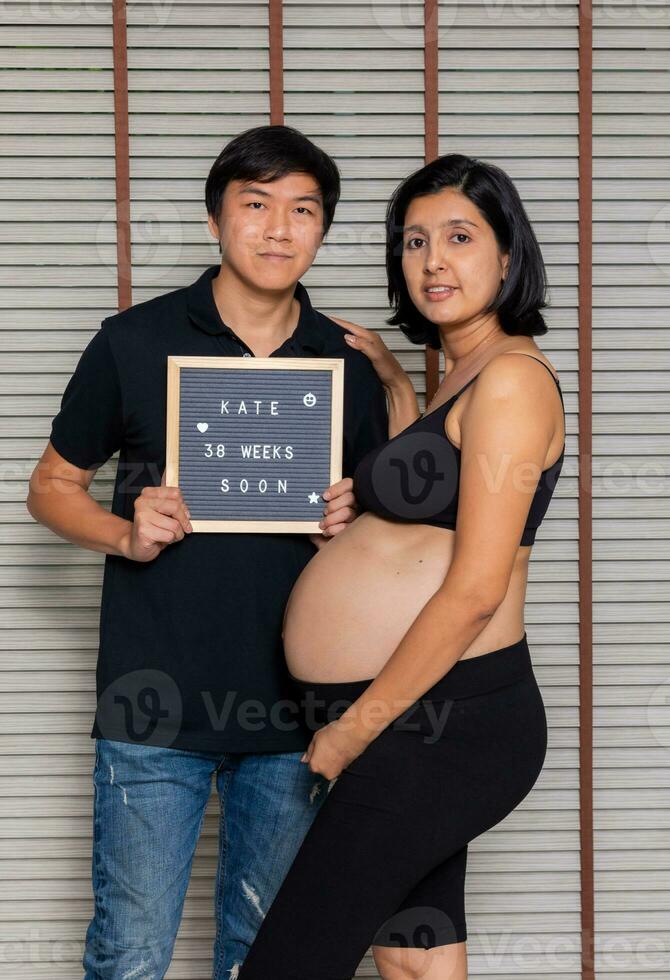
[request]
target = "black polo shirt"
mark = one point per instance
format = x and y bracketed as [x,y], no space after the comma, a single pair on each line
[190,644]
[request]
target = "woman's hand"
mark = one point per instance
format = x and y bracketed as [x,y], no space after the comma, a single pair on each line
[332,748]
[387,366]
[402,403]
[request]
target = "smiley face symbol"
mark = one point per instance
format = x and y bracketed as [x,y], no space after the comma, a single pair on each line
[309,400]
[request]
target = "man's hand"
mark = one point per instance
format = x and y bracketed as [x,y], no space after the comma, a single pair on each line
[161,518]
[339,510]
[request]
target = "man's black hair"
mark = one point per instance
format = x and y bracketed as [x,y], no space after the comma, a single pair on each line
[521,295]
[266,153]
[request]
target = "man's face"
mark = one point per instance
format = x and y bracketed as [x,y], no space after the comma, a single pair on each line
[270,232]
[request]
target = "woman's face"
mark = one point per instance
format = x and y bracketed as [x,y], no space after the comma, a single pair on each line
[447,243]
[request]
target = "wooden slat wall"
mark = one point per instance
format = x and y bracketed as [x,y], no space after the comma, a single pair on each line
[631,508]
[58,280]
[508,94]
[585,484]
[353,76]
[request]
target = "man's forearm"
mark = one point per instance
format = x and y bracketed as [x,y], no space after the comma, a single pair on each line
[70,512]
[402,404]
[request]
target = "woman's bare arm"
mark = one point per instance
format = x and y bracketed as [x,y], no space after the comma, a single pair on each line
[402,404]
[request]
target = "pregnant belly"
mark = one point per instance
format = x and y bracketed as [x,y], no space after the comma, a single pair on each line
[359,595]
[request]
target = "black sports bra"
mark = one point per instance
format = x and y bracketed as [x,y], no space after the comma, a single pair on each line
[414,476]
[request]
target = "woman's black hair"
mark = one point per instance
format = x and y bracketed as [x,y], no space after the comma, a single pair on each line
[522,294]
[267,153]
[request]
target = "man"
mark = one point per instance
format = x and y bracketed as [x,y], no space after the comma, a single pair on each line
[191,680]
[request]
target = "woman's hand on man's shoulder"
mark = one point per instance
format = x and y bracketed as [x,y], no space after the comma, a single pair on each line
[370,343]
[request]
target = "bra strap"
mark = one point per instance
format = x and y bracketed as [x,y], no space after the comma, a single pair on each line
[475,376]
[461,390]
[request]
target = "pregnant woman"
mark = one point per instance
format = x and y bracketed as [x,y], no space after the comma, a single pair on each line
[405,634]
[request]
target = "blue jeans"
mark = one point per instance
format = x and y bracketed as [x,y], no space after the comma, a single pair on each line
[148,812]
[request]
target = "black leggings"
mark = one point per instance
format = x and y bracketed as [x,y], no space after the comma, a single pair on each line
[384,860]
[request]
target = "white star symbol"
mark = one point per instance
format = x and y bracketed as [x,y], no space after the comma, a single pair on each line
[313,498]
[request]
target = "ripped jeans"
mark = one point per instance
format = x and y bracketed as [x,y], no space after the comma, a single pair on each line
[149,807]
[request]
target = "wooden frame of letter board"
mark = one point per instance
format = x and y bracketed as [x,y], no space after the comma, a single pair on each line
[174,366]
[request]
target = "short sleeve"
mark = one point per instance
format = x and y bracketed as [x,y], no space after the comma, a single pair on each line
[89,426]
[372,426]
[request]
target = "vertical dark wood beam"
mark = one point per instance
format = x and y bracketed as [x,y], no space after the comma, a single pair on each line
[276,15]
[121,154]
[431,144]
[585,505]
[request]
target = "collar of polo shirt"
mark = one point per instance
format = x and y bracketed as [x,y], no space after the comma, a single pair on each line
[203,312]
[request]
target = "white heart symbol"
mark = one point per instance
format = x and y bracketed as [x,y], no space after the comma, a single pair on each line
[202,426]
